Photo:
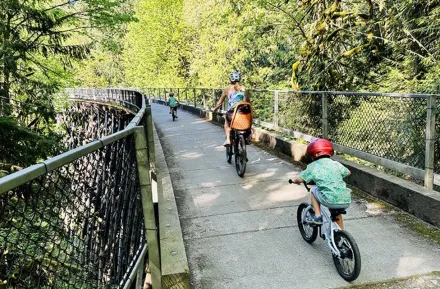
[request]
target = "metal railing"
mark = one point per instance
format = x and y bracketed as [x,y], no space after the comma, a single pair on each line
[396,131]
[82,219]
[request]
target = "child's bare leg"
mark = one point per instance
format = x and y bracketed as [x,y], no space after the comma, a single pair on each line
[339,221]
[315,205]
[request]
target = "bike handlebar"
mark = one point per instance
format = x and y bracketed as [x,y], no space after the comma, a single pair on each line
[220,113]
[305,184]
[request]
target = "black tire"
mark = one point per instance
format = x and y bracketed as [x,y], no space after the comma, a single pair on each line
[240,156]
[349,264]
[308,232]
[174,116]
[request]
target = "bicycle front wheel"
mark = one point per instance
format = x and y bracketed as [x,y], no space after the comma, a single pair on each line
[240,156]
[349,263]
[308,232]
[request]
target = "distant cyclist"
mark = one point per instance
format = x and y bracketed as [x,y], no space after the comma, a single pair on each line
[172,102]
[235,93]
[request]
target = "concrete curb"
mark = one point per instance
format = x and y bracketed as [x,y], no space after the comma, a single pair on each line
[174,263]
[410,197]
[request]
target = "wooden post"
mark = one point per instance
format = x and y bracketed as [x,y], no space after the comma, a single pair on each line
[275,111]
[324,116]
[147,206]
[430,142]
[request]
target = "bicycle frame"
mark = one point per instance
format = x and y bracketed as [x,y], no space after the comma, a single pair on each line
[329,228]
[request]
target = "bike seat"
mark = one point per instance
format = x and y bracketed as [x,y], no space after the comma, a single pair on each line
[335,212]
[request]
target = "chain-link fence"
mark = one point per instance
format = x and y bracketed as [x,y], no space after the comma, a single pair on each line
[85,122]
[388,129]
[76,220]
[79,226]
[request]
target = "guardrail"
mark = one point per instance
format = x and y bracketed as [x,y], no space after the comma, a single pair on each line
[392,130]
[82,219]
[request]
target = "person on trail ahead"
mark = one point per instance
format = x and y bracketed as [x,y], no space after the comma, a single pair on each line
[235,93]
[172,102]
[327,174]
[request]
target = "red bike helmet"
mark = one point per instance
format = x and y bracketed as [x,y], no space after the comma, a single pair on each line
[320,147]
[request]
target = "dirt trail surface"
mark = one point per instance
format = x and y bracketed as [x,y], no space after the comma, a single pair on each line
[242,232]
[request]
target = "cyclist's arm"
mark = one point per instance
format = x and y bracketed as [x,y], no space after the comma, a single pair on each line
[247,95]
[219,103]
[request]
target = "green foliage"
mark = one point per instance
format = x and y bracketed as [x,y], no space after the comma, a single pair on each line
[40,41]
[22,147]
[309,45]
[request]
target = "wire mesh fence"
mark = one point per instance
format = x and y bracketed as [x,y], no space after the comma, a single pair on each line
[387,126]
[300,112]
[77,220]
[84,122]
[79,226]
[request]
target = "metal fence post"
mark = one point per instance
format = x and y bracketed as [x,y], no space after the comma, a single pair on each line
[147,206]
[214,100]
[275,111]
[324,115]
[204,100]
[194,94]
[430,142]
[150,138]
[140,275]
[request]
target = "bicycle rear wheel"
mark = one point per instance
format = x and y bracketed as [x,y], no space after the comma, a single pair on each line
[349,263]
[229,153]
[240,156]
[174,116]
[308,232]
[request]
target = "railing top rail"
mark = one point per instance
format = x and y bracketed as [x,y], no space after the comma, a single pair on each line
[410,95]
[106,100]
[21,177]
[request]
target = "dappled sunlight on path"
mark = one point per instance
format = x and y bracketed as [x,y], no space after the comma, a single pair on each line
[242,232]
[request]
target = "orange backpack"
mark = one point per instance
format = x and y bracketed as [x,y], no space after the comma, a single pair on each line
[242,117]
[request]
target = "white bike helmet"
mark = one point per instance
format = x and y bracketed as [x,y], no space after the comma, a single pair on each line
[234,76]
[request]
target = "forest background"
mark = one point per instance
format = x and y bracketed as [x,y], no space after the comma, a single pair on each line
[48,45]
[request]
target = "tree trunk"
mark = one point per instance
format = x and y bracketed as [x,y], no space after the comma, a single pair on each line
[5,86]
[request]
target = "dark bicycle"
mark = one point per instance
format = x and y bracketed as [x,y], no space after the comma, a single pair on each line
[239,140]
[173,113]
